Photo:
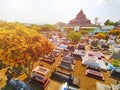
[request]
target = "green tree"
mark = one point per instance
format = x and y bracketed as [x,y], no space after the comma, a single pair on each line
[48,27]
[115,63]
[107,22]
[74,36]
[83,32]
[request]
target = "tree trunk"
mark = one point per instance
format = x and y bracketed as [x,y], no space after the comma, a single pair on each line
[28,69]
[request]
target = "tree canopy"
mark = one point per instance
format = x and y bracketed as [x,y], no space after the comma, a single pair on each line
[74,36]
[108,22]
[102,35]
[83,32]
[114,32]
[48,27]
[21,45]
[38,28]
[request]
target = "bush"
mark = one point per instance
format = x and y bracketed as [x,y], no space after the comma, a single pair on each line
[18,68]
[115,63]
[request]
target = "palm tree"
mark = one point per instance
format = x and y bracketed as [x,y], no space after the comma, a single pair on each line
[96,20]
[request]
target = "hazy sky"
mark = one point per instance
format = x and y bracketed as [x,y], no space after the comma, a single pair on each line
[52,11]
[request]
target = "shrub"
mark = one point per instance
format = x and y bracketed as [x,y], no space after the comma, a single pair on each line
[115,63]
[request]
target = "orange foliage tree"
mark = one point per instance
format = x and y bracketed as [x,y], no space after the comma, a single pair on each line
[102,35]
[114,32]
[23,46]
[38,28]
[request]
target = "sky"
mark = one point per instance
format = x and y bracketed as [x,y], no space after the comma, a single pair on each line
[53,11]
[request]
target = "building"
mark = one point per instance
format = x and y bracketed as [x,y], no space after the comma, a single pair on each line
[103,29]
[117,27]
[80,22]
[106,28]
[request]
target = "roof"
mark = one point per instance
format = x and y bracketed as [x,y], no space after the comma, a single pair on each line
[107,27]
[80,20]
[81,25]
[118,27]
[74,19]
[81,13]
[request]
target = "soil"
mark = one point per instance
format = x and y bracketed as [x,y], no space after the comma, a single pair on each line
[86,83]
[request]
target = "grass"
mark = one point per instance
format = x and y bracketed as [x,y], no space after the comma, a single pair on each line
[7,87]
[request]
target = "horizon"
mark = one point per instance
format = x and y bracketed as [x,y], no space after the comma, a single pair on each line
[42,12]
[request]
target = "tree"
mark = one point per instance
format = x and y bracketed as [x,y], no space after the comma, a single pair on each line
[74,36]
[48,27]
[114,32]
[83,32]
[119,36]
[115,63]
[60,23]
[107,22]
[102,35]
[96,20]
[60,34]
[35,27]
[23,46]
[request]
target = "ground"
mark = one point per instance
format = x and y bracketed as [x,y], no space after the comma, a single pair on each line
[86,83]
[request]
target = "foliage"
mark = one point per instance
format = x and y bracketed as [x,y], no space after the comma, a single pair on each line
[8,26]
[115,63]
[60,23]
[83,32]
[114,32]
[22,46]
[119,36]
[102,35]
[18,68]
[68,30]
[74,36]
[60,34]
[90,30]
[108,22]
[48,27]
[7,87]
[38,28]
